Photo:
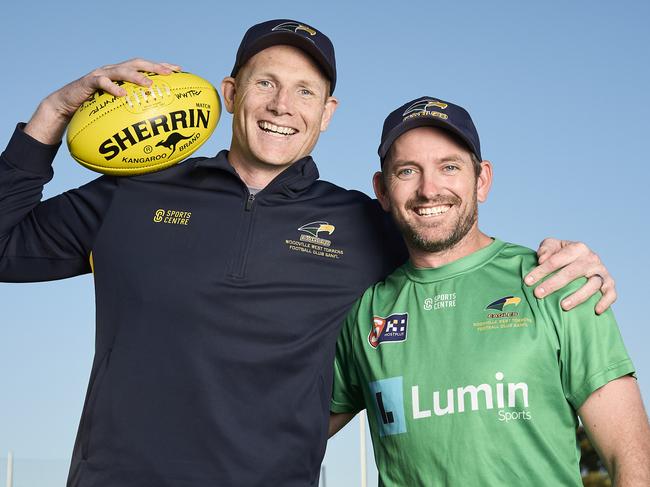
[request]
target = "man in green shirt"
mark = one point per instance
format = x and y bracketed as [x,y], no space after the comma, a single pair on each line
[468,378]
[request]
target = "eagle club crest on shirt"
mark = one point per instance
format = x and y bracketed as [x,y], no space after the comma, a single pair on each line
[391,329]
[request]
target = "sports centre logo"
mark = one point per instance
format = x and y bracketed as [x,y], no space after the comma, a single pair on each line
[391,329]
[172,217]
[440,301]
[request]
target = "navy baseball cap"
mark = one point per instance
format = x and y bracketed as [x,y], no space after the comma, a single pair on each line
[429,111]
[293,33]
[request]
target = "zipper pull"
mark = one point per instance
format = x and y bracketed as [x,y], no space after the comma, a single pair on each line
[249,202]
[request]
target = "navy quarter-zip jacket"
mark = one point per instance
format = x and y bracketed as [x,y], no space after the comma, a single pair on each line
[217,312]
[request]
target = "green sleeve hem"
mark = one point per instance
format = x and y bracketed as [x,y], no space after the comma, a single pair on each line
[340,407]
[614,371]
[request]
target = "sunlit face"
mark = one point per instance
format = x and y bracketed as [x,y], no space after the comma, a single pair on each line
[280,103]
[430,187]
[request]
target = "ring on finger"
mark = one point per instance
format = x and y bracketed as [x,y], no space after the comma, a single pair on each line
[602,280]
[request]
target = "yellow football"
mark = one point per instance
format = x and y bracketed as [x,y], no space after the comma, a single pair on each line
[149,129]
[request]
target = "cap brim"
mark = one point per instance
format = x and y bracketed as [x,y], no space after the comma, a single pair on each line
[424,121]
[282,37]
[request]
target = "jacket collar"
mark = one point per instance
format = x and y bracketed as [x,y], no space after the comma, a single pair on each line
[296,178]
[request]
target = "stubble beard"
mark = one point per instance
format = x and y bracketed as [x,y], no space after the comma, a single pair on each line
[419,241]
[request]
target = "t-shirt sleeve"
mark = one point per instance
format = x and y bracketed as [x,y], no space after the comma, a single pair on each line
[347,396]
[592,352]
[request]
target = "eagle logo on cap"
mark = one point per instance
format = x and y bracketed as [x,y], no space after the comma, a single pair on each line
[425,107]
[295,27]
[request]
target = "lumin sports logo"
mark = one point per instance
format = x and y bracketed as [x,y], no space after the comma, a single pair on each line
[509,399]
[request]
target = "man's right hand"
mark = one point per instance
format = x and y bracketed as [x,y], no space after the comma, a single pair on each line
[54,113]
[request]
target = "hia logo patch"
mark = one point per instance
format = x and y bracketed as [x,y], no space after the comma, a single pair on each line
[391,329]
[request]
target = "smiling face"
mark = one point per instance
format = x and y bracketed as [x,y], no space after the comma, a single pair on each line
[280,103]
[431,189]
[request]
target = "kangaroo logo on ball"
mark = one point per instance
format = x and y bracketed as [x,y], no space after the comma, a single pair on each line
[171,141]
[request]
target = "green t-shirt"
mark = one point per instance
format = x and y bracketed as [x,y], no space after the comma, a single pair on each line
[469,380]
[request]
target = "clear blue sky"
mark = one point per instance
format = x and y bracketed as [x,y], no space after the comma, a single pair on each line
[558,91]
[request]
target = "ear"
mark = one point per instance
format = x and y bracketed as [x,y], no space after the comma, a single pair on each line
[330,107]
[380,190]
[484,181]
[228,92]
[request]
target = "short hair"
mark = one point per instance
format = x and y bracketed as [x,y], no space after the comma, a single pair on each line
[477,164]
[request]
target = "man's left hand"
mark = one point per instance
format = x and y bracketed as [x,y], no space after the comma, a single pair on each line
[572,260]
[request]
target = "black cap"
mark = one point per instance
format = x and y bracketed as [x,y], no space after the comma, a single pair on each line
[293,33]
[429,111]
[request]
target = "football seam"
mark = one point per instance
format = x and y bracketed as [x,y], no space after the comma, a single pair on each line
[120,106]
[133,171]
[112,171]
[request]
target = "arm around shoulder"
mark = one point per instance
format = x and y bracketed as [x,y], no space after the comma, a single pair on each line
[572,260]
